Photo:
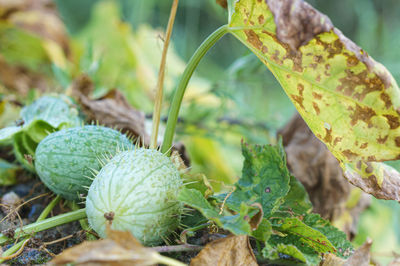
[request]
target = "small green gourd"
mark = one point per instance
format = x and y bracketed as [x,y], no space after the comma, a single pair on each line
[65,160]
[137,192]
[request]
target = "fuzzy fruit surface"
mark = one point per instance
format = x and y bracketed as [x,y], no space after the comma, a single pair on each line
[139,189]
[64,160]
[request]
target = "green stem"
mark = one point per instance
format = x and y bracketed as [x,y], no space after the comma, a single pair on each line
[83,222]
[41,217]
[180,90]
[45,224]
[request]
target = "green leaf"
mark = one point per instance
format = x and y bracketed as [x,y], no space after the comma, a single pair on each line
[276,253]
[57,111]
[7,133]
[334,235]
[348,100]
[8,173]
[237,224]
[263,232]
[288,247]
[306,234]
[296,201]
[20,151]
[265,178]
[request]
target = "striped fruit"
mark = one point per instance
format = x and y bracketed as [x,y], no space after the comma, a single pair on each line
[65,160]
[137,191]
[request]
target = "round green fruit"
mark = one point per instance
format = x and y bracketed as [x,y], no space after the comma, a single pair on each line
[65,160]
[137,192]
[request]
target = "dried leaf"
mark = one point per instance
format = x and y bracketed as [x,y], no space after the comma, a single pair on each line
[39,17]
[19,80]
[121,248]
[361,256]
[112,110]
[232,250]
[377,179]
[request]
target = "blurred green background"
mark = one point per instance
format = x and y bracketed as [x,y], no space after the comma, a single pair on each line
[232,96]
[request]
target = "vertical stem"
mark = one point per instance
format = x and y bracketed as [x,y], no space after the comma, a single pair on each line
[160,81]
[180,90]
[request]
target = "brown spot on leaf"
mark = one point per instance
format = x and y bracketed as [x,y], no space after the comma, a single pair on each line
[358,165]
[318,59]
[298,99]
[337,140]
[349,154]
[253,39]
[371,158]
[328,135]
[297,22]
[352,60]
[386,99]
[382,140]
[397,141]
[393,121]
[362,113]
[261,19]
[300,88]
[316,108]
[364,145]
[264,49]
[316,95]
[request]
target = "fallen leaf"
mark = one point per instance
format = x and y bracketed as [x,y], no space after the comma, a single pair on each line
[38,17]
[112,110]
[18,80]
[121,248]
[361,256]
[232,250]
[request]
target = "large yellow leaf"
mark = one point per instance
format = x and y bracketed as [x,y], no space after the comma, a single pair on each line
[349,101]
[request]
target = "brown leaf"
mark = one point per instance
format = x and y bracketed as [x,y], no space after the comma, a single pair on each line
[19,80]
[121,248]
[388,188]
[232,250]
[361,256]
[39,17]
[112,110]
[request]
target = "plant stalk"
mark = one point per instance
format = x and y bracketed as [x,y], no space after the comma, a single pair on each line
[41,217]
[160,81]
[45,224]
[180,90]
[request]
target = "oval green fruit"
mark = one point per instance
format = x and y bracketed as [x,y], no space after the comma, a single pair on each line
[65,160]
[138,191]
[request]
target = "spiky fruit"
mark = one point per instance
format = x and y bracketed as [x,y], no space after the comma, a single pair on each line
[65,160]
[137,192]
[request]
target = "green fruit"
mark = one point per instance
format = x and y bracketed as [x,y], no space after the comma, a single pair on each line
[65,160]
[137,191]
